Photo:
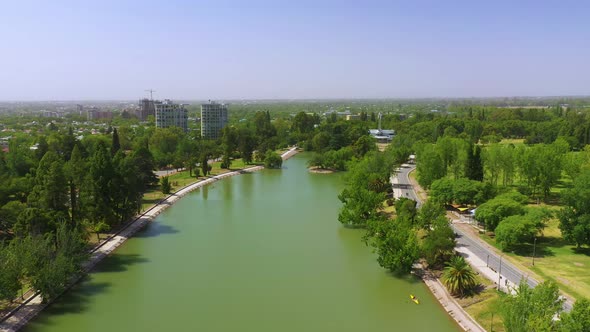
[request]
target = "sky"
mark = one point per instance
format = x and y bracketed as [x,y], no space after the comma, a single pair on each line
[222,50]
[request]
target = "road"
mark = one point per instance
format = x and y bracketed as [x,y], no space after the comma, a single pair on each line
[466,242]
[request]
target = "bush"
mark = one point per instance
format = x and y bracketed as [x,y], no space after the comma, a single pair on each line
[165,185]
[273,160]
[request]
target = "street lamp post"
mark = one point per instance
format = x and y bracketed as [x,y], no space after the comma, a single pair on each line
[534,249]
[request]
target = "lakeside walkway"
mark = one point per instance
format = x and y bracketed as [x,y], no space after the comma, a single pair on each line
[32,306]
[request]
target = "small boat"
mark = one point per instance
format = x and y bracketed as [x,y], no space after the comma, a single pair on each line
[415,299]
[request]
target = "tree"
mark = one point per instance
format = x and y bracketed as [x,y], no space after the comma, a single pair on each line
[441,191]
[163,144]
[429,212]
[229,143]
[165,185]
[574,219]
[531,309]
[578,320]
[514,230]
[246,144]
[205,167]
[50,260]
[405,208]
[429,165]
[458,276]
[493,211]
[363,145]
[116,145]
[100,204]
[272,160]
[50,190]
[76,172]
[142,157]
[321,142]
[360,206]
[10,272]
[439,243]
[474,167]
[396,244]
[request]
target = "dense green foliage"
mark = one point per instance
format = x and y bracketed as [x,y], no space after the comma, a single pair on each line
[532,309]
[495,210]
[578,320]
[518,229]
[575,217]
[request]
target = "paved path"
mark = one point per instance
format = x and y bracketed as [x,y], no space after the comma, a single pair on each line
[33,305]
[449,303]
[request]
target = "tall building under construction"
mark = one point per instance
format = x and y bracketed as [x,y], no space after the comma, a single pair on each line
[213,119]
[146,108]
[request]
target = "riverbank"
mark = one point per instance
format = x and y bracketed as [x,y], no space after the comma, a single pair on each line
[448,302]
[440,292]
[18,317]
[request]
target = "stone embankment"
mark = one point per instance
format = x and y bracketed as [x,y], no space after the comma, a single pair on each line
[21,315]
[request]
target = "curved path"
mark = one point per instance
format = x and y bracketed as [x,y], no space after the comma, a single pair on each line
[20,316]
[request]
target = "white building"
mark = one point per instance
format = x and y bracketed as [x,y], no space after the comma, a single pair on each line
[213,119]
[169,114]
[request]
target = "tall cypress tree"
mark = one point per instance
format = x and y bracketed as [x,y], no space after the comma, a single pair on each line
[474,167]
[116,146]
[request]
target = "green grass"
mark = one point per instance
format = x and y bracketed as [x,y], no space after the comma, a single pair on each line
[182,179]
[554,260]
[482,305]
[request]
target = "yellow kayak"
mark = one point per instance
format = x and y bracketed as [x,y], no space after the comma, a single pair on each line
[415,299]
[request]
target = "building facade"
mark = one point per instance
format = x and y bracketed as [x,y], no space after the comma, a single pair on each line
[146,108]
[94,113]
[213,119]
[169,114]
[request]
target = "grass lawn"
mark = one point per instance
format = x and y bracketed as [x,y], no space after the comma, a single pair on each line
[554,260]
[481,306]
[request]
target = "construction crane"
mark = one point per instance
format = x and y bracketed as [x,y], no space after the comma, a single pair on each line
[151,93]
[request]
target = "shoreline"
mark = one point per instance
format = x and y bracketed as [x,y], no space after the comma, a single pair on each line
[440,292]
[33,305]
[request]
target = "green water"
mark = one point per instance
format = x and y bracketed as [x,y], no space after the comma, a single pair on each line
[255,252]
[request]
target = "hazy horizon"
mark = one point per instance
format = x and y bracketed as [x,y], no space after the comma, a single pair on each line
[323,50]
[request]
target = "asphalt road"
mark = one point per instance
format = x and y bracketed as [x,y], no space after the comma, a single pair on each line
[474,245]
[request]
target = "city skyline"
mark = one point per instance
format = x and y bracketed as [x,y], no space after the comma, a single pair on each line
[233,50]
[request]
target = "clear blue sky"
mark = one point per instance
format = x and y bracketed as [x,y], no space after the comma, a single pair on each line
[64,50]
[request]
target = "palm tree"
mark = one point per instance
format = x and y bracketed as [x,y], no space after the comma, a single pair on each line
[458,276]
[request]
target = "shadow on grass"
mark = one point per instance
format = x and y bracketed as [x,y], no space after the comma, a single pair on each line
[526,250]
[581,251]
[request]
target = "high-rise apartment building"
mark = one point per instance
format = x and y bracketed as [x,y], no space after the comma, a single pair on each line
[146,108]
[213,119]
[169,114]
